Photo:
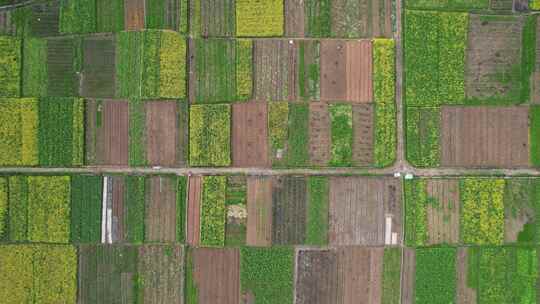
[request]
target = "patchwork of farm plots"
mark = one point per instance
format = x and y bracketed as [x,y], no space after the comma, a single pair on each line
[269,84]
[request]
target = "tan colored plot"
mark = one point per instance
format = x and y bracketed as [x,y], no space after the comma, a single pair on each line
[134,14]
[162,133]
[118,210]
[362,148]
[160,218]
[465,294]
[408,277]
[360,275]
[294,18]
[259,206]
[361,208]
[250,135]
[194,210]
[443,218]
[319,134]
[217,275]
[485,136]
[346,70]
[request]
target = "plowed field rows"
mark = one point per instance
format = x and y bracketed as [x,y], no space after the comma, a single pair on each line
[250,135]
[443,218]
[160,225]
[259,208]
[289,210]
[194,210]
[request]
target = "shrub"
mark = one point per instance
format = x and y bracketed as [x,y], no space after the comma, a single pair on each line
[268,274]
[213,212]
[415,212]
[135,196]
[10,63]
[78,17]
[244,68]
[435,275]
[49,209]
[298,135]
[423,136]
[259,18]
[317,213]
[482,217]
[209,136]
[61,138]
[86,203]
[341,134]
[385,107]
[18,132]
[34,69]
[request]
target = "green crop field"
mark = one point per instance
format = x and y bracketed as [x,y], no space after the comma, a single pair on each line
[435,276]
[213,211]
[423,136]
[10,63]
[317,213]
[268,274]
[341,135]
[86,196]
[19,120]
[257,18]
[298,135]
[209,136]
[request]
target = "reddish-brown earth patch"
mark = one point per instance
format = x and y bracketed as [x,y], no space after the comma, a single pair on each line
[250,135]
[162,133]
[319,134]
[259,207]
[362,147]
[443,218]
[194,210]
[134,14]
[160,217]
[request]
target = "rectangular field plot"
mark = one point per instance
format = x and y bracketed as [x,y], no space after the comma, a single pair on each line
[194,210]
[347,275]
[107,137]
[216,275]
[250,135]
[166,136]
[364,211]
[217,18]
[98,74]
[161,213]
[259,208]
[346,70]
[493,69]
[289,210]
[134,14]
[484,137]
[125,273]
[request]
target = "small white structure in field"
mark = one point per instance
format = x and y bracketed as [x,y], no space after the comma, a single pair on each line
[388,231]
[409,176]
[397,174]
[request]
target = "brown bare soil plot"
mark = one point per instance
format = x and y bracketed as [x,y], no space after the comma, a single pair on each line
[317,277]
[294,18]
[346,70]
[250,135]
[289,210]
[134,14]
[493,53]
[118,230]
[98,76]
[259,208]
[275,70]
[162,132]
[217,275]
[319,134]
[485,137]
[160,218]
[408,276]
[520,209]
[443,218]
[161,268]
[360,208]
[362,121]
[362,18]
[360,275]
[194,210]
[465,294]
